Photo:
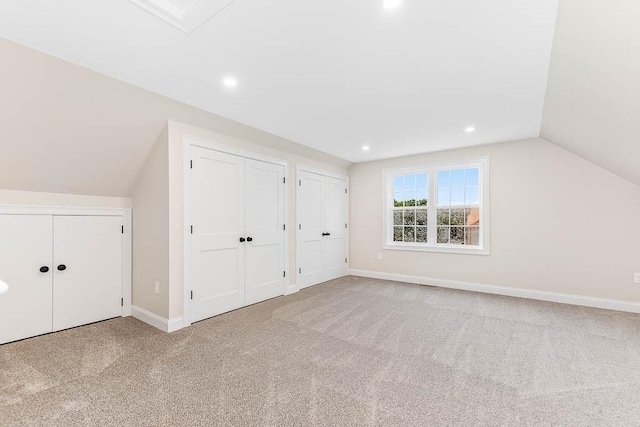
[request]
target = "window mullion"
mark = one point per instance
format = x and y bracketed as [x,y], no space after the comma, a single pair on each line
[432,211]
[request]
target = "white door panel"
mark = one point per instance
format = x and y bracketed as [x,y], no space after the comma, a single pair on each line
[217,270]
[322,212]
[25,291]
[335,220]
[87,270]
[264,221]
[310,229]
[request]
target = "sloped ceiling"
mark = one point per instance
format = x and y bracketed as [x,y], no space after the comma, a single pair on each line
[333,75]
[66,129]
[592,105]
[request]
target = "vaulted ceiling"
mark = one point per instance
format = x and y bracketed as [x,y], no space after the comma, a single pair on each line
[331,75]
[334,75]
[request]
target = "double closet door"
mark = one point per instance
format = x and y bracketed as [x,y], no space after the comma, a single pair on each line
[238,229]
[58,272]
[322,228]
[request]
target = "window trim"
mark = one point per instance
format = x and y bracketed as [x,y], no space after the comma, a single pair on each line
[432,169]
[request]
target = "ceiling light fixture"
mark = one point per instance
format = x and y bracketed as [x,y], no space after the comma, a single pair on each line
[366,148]
[391,4]
[470,129]
[230,82]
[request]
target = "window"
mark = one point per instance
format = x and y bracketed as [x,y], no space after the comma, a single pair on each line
[437,208]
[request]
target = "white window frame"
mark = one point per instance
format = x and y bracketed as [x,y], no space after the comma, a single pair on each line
[432,170]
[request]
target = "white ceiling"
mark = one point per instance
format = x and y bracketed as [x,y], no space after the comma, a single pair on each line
[333,75]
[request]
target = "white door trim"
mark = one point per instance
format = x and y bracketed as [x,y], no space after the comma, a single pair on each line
[125,213]
[191,141]
[311,169]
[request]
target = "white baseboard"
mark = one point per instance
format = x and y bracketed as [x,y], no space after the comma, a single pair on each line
[607,304]
[291,289]
[165,325]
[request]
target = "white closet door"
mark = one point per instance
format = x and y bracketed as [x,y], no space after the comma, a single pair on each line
[217,211]
[25,290]
[264,221]
[311,228]
[335,220]
[87,284]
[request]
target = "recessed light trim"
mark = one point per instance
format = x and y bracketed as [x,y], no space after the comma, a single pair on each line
[366,148]
[230,82]
[470,129]
[391,4]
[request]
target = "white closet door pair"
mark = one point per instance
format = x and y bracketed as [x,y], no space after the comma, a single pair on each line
[322,228]
[58,272]
[237,213]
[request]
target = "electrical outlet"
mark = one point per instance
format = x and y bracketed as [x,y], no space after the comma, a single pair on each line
[379,257]
[637,278]
[157,287]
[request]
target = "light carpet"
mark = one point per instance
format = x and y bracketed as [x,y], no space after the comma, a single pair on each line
[351,352]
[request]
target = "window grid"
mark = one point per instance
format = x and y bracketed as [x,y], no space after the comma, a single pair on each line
[453,221]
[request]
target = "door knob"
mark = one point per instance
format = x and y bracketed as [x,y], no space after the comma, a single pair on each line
[242,240]
[326,234]
[44,269]
[62,267]
[249,239]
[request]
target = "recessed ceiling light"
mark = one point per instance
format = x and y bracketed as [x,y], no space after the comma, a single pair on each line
[470,129]
[391,4]
[366,148]
[230,82]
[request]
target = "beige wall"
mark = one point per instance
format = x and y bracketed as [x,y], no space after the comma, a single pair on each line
[33,198]
[151,231]
[558,223]
[67,129]
[177,132]
[593,94]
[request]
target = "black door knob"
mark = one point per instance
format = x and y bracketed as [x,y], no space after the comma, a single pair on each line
[44,269]
[326,234]
[242,240]
[62,267]
[249,239]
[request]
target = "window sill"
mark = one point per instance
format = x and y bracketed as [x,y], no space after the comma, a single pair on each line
[433,248]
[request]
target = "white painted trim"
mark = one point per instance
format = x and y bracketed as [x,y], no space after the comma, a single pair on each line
[302,168]
[580,300]
[186,18]
[159,322]
[484,163]
[191,141]
[125,213]
[291,289]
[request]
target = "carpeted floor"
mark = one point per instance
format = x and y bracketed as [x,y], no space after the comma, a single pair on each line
[349,352]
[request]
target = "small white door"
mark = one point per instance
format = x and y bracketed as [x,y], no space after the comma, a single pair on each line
[311,228]
[26,276]
[264,225]
[87,270]
[217,212]
[335,209]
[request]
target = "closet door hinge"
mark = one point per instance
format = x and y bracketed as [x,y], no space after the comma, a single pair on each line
[345,225]
[300,270]
[284,274]
[191,294]
[345,191]
[299,226]
[284,180]
[300,183]
[191,164]
[192,229]
[345,260]
[123,229]
[121,302]
[284,226]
